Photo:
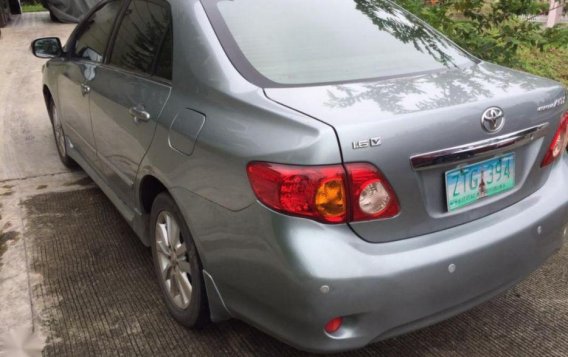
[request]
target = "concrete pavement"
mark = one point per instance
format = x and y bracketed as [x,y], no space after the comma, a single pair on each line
[26,148]
[28,159]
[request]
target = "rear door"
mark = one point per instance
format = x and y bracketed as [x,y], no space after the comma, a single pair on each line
[130,91]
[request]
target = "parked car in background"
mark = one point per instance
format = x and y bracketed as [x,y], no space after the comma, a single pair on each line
[333,172]
[8,7]
[15,7]
[4,13]
[68,10]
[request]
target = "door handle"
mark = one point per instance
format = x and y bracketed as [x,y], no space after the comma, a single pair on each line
[138,114]
[85,89]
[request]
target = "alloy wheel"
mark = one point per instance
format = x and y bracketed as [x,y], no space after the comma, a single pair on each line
[173,260]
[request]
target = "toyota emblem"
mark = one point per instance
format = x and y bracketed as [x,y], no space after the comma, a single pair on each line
[493,120]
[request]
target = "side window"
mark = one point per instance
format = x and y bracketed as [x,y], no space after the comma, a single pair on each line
[165,59]
[140,35]
[93,38]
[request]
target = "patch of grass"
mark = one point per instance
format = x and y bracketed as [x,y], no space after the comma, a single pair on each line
[32,7]
[551,63]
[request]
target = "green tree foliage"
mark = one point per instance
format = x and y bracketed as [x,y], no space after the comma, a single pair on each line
[491,30]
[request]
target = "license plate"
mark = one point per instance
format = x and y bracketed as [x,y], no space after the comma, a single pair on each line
[467,185]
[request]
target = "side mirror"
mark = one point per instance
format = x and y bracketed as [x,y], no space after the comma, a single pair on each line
[48,47]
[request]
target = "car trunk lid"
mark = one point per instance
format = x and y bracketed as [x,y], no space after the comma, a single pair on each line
[389,122]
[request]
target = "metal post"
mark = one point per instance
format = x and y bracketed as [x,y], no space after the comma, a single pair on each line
[555,13]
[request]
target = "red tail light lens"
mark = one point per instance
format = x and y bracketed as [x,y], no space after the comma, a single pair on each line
[316,192]
[372,197]
[559,143]
[320,192]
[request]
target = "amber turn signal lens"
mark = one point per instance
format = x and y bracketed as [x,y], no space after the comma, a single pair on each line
[330,199]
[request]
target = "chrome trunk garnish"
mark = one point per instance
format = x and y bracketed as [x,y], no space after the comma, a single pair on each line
[478,149]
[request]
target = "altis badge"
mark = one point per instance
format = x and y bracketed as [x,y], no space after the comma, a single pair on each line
[368,143]
[558,102]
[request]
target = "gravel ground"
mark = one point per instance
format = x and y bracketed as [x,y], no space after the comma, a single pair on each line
[95,293]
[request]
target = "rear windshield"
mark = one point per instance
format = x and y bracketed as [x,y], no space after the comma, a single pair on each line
[294,42]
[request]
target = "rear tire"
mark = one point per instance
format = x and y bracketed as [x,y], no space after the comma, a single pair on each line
[59,135]
[177,264]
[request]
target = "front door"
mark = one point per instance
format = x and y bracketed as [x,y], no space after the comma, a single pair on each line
[130,91]
[86,54]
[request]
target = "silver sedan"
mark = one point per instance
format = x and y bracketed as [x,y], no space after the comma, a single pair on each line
[333,172]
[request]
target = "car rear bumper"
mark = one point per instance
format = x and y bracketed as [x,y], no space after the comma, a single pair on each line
[382,290]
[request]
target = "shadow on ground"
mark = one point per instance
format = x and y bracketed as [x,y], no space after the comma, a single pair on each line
[94,289]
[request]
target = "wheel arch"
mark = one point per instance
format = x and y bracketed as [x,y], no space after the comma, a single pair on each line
[149,188]
[48,98]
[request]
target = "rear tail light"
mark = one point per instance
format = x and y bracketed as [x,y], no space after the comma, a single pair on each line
[372,196]
[559,143]
[317,192]
[324,193]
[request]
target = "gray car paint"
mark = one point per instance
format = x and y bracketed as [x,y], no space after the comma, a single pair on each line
[267,268]
[76,105]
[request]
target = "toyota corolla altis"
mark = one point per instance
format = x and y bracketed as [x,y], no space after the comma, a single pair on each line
[333,172]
